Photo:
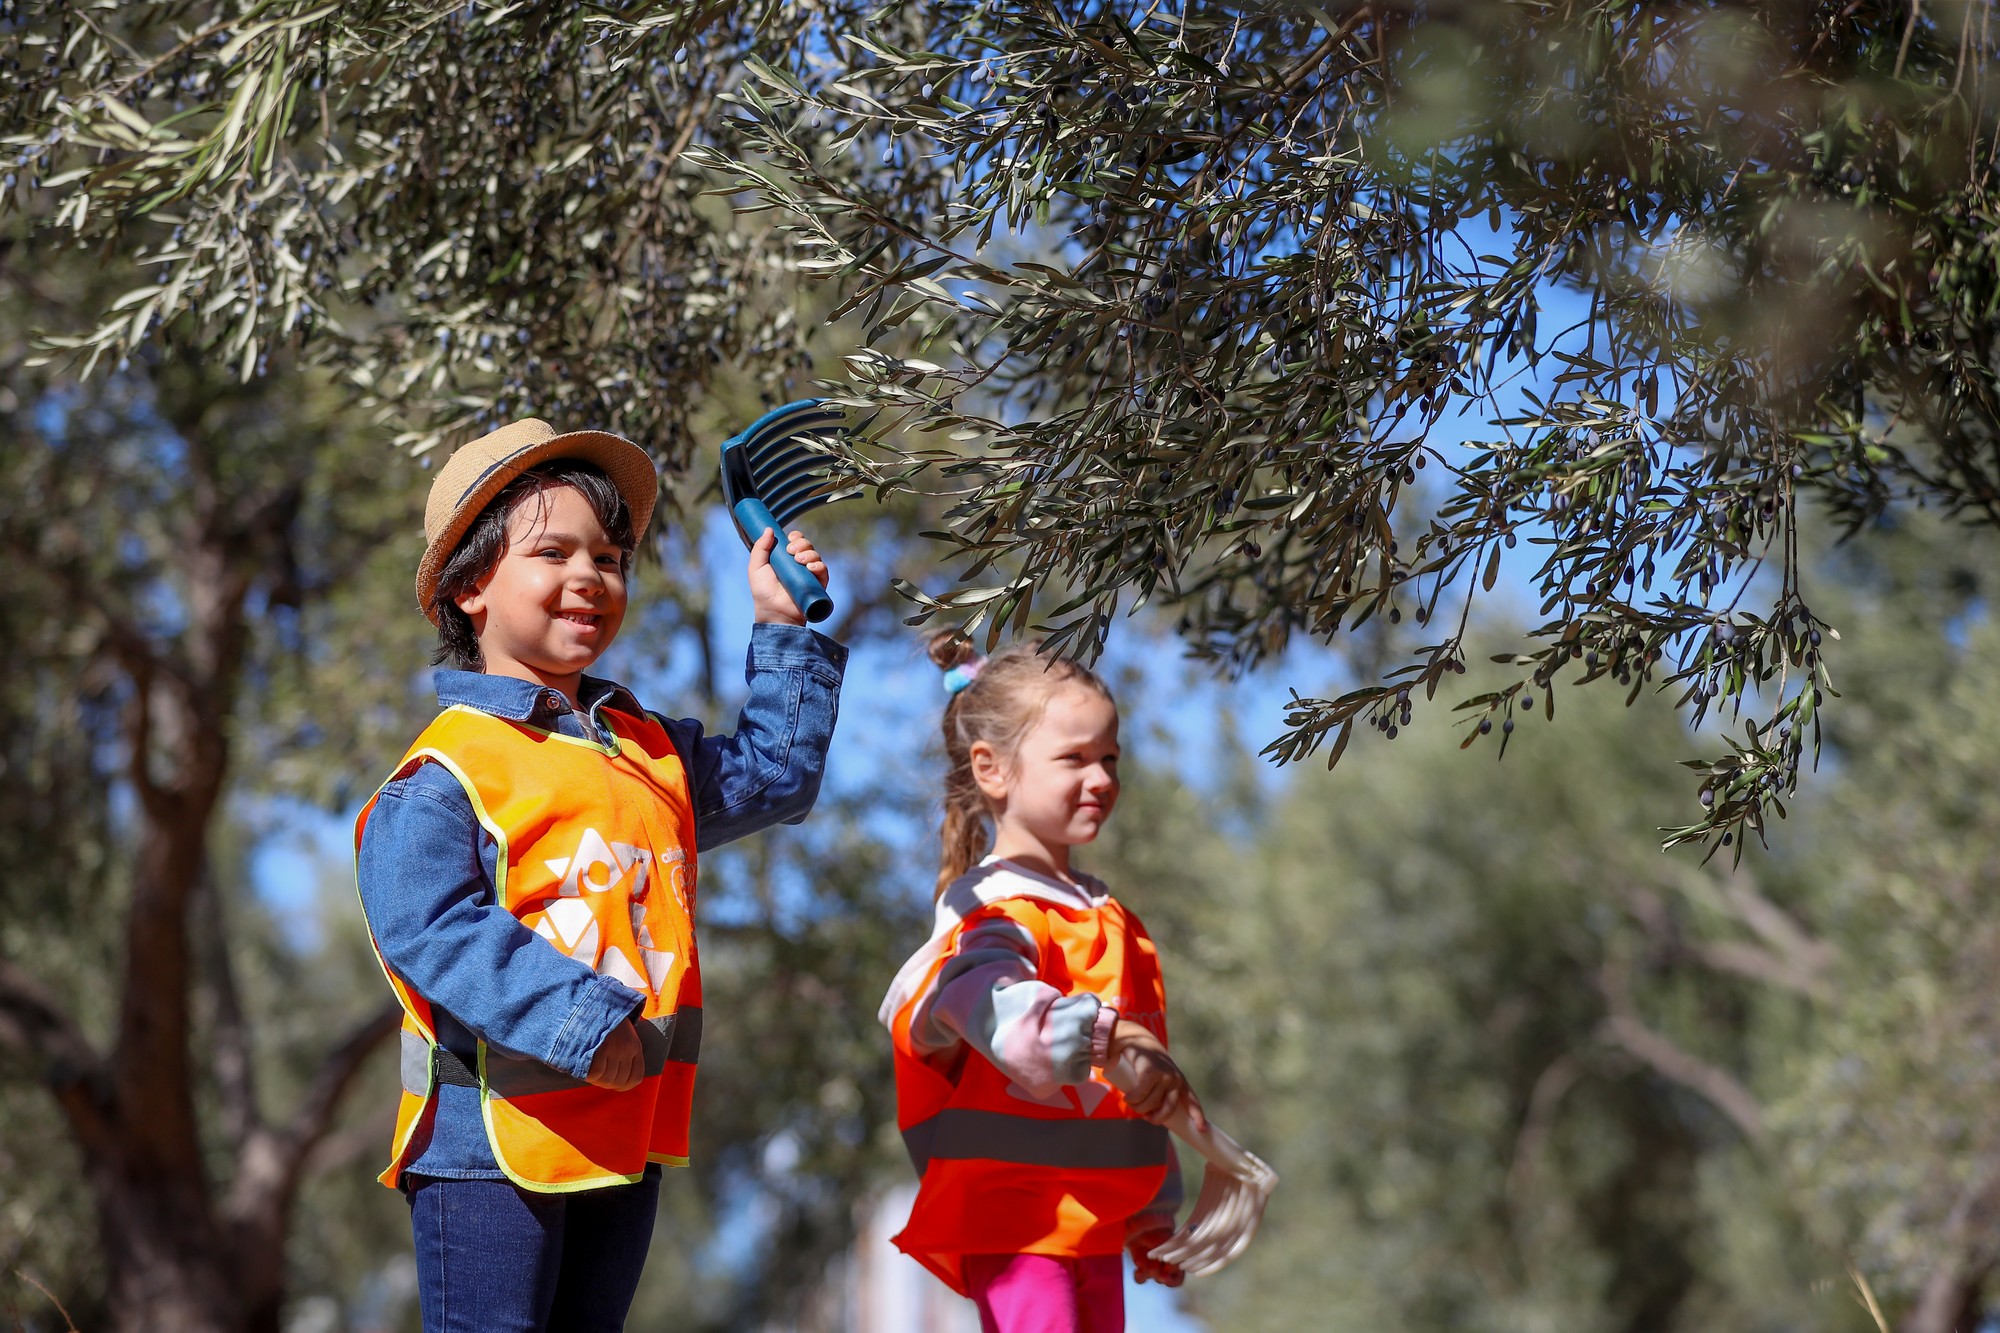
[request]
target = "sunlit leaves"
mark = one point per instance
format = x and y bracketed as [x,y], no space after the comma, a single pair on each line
[1207,290]
[477,211]
[1181,309]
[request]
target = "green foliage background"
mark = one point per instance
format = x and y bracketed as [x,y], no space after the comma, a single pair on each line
[1400,981]
[1519,1070]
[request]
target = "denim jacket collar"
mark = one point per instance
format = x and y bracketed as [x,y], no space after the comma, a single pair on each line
[524,701]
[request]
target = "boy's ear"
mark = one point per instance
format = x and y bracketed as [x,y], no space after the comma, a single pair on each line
[473,600]
[987,771]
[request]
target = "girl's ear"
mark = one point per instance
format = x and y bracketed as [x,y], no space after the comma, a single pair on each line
[987,771]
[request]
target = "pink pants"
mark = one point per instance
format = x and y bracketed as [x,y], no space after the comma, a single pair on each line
[1040,1293]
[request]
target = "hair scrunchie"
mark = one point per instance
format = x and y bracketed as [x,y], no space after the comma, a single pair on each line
[962,675]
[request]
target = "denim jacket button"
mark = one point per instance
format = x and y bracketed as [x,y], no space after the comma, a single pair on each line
[553,702]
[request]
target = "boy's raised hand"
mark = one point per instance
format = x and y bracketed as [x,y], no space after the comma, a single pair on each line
[620,1061]
[770,603]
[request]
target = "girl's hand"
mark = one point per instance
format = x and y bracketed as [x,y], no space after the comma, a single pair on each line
[1147,1269]
[770,603]
[620,1061]
[1162,1088]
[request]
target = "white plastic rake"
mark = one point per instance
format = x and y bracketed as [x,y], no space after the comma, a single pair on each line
[1235,1186]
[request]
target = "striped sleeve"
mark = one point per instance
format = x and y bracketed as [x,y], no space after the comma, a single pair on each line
[988,994]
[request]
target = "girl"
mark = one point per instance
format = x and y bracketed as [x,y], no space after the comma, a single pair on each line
[1035,1171]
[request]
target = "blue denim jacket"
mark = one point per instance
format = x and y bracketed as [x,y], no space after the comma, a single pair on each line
[426,869]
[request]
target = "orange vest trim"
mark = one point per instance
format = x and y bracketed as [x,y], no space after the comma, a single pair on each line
[1003,1171]
[596,855]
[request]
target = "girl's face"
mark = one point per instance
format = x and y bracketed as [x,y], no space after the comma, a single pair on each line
[554,602]
[1057,789]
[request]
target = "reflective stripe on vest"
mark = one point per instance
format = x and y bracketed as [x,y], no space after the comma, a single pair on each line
[595,854]
[674,1038]
[962,1134]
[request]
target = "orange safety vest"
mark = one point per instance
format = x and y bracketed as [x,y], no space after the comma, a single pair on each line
[1002,1171]
[596,854]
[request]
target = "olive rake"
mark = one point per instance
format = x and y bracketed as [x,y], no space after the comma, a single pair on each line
[1235,1186]
[772,472]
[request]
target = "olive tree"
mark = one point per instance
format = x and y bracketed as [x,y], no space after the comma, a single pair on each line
[325,190]
[1188,299]
[475,212]
[1210,288]
[181,543]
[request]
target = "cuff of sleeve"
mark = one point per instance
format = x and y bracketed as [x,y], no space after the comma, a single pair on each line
[774,647]
[1100,1035]
[605,1004]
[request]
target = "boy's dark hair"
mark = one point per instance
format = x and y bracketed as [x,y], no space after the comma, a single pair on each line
[480,549]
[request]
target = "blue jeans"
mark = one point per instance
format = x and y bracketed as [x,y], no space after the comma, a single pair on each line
[494,1258]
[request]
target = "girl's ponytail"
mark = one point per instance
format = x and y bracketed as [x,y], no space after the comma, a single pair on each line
[995,700]
[965,836]
[967,830]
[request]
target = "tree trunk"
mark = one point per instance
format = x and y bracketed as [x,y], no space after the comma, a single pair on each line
[186,1248]
[1950,1300]
[164,1259]
[168,1267]
[259,1254]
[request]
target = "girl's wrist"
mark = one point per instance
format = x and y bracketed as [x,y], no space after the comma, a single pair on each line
[1102,1033]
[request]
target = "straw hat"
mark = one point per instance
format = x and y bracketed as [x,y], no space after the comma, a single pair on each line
[478,471]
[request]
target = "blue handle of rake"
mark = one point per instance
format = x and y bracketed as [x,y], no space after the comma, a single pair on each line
[800,582]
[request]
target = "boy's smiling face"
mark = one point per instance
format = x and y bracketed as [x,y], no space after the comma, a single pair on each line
[556,599]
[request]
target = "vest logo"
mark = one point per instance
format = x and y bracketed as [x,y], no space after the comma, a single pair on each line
[601,866]
[659,964]
[570,923]
[572,927]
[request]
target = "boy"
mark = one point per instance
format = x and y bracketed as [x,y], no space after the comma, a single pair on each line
[528,875]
